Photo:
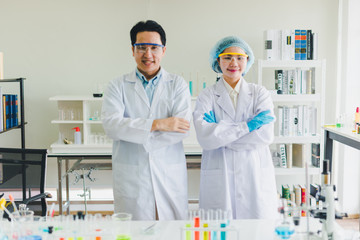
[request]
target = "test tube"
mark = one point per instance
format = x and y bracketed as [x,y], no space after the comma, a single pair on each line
[206,233]
[188,232]
[197,225]
[223,233]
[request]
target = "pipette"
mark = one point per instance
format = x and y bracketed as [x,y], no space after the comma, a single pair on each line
[13,202]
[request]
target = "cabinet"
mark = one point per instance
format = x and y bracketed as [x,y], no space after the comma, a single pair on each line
[21,107]
[83,112]
[315,98]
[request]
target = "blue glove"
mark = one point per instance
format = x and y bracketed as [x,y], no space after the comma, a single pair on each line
[210,118]
[259,120]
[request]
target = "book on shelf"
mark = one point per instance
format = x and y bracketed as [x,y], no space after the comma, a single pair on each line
[303,199]
[290,44]
[9,109]
[314,189]
[285,191]
[297,191]
[298,120]
[283,158]
[1,111]
[272,44]
[294,82]
[315,154]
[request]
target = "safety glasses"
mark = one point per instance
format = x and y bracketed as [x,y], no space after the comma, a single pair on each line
[227,57]
[143,47]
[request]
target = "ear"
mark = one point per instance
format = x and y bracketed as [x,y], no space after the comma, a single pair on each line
[164,49]
[132,49]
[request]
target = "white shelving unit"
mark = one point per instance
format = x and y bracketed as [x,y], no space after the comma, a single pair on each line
[83,108]
[77,111]
[266,78]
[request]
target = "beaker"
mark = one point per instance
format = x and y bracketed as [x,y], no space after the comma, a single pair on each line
[121,226]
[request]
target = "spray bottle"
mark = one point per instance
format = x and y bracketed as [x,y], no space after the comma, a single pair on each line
[77,135]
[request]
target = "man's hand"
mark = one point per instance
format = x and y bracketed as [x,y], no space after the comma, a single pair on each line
[172,124]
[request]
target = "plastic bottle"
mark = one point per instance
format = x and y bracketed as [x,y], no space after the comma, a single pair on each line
[357,115]
[357,119]
[77,135]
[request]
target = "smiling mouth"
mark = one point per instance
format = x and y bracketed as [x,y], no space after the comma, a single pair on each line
[233,70]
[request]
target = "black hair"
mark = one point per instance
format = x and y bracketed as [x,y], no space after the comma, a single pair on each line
[148,26]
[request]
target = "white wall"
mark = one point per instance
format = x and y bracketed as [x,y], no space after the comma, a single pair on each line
[65,47]
[348,159]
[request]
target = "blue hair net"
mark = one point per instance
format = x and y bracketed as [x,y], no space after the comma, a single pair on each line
[231,41]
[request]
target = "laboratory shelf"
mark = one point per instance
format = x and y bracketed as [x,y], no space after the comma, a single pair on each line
[93,121]
[297,139]
[290,63]
[81,148]
[296,171]
[295,98]
[266,78]
[67,121]
[75,98]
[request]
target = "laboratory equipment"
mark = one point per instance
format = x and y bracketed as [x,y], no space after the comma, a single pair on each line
[121,226]
[77,135]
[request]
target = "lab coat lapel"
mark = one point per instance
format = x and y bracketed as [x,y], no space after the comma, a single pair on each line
[159,90]
[223,99]
[139,89]
[244,100]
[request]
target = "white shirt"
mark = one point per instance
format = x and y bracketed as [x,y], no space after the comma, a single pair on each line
[233,92]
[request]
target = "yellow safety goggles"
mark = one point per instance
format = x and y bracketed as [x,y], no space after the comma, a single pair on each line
[231,53]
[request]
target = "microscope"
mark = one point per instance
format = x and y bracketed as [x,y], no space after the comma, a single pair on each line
[327,215]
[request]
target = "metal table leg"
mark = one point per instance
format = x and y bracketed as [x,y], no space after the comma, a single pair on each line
[67,187]
[59,162]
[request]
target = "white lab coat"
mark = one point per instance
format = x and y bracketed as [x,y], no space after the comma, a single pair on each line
[237,172]
[148,167]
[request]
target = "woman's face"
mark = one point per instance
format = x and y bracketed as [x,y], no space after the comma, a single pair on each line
[233,66]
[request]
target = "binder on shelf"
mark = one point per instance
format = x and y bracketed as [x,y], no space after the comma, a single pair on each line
[289,155]
[315,154]
[299,157]
[297,44]
[303,44]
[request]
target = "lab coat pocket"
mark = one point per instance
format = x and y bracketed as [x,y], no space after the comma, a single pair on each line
[212,189]
[128,180]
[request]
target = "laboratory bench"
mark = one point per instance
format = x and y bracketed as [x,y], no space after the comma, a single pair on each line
[69,162]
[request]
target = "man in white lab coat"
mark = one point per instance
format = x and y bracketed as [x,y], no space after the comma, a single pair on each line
[147,114]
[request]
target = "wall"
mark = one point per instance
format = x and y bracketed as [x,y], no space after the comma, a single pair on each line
[66,47]
[347,164]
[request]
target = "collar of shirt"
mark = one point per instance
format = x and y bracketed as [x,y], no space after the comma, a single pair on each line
[233,92]
[154,81]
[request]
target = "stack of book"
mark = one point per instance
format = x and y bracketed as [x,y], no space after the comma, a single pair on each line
[8,111]
[299,120]
[298,196]
[289,44]
[296,81]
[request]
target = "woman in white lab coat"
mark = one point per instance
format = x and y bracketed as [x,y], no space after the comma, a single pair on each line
[234,126]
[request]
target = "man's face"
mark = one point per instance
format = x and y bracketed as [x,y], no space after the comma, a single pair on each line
[148,58]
